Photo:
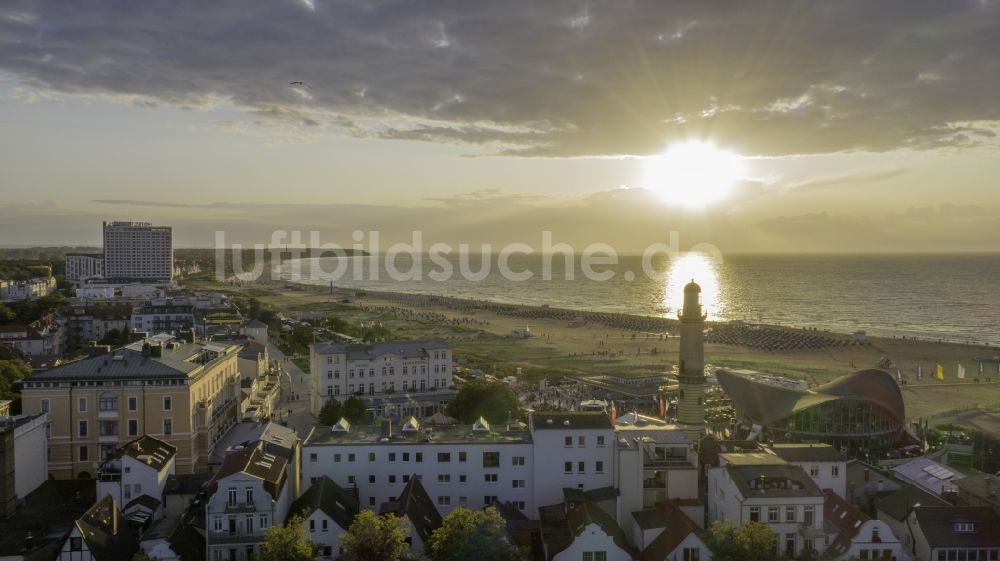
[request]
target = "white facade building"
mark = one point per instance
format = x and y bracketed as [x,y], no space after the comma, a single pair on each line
[138,250]
[824,464]
[31,289]
[138,469]
[83,266]
[759,486]
[23,458]
[331,511]
[377,369]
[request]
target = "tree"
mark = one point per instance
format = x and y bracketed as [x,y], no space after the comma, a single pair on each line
[11,371]
[331,412]
[376,538]
[753,541]
[286,543]
[472,534]
[355,409]
[478,398]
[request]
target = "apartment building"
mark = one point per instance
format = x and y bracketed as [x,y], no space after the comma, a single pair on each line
[23,465]
[252,491]
[179,391]
[31,289]
[138,251]
[379,370]
[163,315]
[759,486]
[136,476]
[83,266]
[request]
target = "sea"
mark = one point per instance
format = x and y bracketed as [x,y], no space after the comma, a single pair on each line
[951,297]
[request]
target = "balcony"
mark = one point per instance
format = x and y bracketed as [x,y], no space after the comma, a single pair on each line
[238,536]
[241,507]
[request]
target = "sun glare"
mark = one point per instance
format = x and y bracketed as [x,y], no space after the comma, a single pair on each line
[693,174]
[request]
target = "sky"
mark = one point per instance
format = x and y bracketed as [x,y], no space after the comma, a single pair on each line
[857,125]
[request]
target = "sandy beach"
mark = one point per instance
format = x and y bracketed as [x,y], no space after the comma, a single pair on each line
[571,342]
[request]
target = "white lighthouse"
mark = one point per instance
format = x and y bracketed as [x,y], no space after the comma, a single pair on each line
[691,369]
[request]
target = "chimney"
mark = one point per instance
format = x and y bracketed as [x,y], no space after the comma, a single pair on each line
[146,349]
[156,351]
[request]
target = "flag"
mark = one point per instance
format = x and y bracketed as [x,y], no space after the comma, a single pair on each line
[940,372]
[663,406]
[961,371]
[614,413]
[920,373]
[899,376]
[980,368]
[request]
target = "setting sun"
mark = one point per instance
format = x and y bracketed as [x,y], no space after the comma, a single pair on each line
[693,174]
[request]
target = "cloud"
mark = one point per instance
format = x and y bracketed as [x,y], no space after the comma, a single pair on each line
[860,178]
[558,78]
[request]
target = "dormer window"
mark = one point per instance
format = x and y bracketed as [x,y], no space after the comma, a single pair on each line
[963,527]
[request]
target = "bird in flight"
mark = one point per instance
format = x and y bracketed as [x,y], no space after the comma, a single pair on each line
[299,83]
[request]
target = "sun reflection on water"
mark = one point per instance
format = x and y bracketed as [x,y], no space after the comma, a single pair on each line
[701,267]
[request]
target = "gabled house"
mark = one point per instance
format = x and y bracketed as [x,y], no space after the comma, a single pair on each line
[955,532]
[579,528]
[101,534]
[329,511]
[852,534]
[136,476]
[251,492]
[677,537]
[416,506]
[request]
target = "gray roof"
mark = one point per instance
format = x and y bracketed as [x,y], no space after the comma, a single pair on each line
[807,453]
[255,324]
[774,480]
[326,496]
[766,404]
[415,504]
[369,351]
[899,504]
[129,363]
[543,420]
[938,526]
[108,537]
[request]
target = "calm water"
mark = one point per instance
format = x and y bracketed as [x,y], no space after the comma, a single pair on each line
[954,297]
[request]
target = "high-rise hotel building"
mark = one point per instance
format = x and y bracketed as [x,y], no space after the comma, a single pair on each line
[138,251]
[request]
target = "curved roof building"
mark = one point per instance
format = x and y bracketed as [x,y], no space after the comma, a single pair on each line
[859,410]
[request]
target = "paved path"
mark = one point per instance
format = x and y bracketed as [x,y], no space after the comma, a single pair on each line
[295,398]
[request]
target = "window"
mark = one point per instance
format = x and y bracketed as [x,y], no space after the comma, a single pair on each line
[444,500]
[249,494]
[75,544]
[232,496]
[326,524]
[418,457]
[772,514]
[755,514]
[371,456]
[567,467]
[107,402]
[517,460]
[444,457]
[392,456]
[595,556]
[371,479]
[964,527]
[107,428]
[84,454]
[692,554]
[789,514]
[168,426]
[217,523]
[371,501]
[489,499]
[82,405]
[392,479]
[133,427]
[406,456]
[83,429]
[167,403]
[461,478]
[44,406]
[569,441]
[834,471]
[790,545]
[127,490]
[313,457]
[581,441]
[600,441]
[813,471]
[336,457]
[491,459]
[517,484]
[350,457]
[581,467]
[461,456]
[351,480]
[808,514]
[312,525]
[444,478]
[490,477]
[599,466]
